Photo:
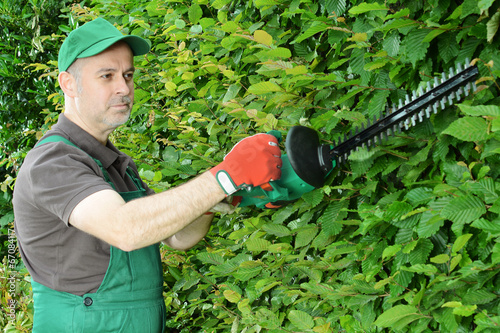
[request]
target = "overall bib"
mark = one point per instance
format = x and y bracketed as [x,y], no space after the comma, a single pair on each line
[130,298]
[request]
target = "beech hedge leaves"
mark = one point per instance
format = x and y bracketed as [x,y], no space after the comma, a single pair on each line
[403,238]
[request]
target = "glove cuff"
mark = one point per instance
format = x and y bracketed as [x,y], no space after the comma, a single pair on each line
[224,180]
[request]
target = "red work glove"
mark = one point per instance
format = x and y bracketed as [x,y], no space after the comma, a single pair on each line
[253,161]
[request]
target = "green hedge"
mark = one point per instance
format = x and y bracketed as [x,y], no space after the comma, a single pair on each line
[403,238]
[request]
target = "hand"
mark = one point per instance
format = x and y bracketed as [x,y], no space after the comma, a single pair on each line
[226,206]
[253,161]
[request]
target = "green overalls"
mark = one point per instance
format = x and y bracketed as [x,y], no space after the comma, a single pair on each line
[130,298]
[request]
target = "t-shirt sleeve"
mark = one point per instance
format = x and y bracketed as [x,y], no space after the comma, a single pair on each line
[62,176]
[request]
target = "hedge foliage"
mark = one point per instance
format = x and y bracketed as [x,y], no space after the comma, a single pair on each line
[403,238]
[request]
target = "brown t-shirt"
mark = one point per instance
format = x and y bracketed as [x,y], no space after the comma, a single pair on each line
[53,179]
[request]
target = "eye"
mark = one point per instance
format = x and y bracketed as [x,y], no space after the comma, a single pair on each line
[106,76]
[128,76]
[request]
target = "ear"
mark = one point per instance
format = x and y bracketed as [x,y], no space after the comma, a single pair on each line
[68,84]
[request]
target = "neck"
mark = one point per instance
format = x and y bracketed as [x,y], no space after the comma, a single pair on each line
[74,116]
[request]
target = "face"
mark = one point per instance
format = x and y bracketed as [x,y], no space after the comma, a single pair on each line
[105,91]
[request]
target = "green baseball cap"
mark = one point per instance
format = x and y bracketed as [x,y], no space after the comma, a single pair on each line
[94,37]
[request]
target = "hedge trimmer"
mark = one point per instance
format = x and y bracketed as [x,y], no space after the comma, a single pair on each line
[307,163]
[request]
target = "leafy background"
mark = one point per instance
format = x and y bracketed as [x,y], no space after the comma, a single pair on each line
[404,238]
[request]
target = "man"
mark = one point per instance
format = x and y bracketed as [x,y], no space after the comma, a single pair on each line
[88,228]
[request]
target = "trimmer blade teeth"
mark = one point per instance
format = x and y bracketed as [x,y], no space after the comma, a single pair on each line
[414,120]
[428,111]
[447,88]
[452,73]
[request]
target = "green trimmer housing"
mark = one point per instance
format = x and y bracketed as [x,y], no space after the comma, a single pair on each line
[301,171]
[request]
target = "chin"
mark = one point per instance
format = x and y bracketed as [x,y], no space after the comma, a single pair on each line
[117,121]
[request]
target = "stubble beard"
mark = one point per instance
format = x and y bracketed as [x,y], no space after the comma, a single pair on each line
[117,118]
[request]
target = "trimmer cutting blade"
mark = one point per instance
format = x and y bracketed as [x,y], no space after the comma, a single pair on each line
[312,162]
[308,163]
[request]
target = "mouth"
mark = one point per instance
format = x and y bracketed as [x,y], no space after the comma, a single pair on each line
[121,106]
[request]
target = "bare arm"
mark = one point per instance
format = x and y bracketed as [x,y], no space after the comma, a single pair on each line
[149,220]
[191,234]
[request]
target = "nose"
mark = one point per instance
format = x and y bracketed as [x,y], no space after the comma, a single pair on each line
[123,86]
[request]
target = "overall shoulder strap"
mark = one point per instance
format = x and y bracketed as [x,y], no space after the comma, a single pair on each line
[56,138]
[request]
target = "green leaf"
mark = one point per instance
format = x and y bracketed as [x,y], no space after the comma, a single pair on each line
[429,224]
[420,196]
[232,296]
[464,209]
[487,188]
[267,318]
[328,219]
[398,316]
[266,284]
[6,219]
[398,24]
[480,110]
[264,87]
[396,210]
[468,129]
[180,24]
[300,319]
[276,229]
[263,37]
[246,273]
[433,34]
[460,242]
[421,269]
[479,296]
[281,52]
[492,227]
[421,251]
[210,258]
[367,7]
[257,244]
[392,44]
[448,47]
[305,235]
[461,310]
[390,251]
[316,27]
[195,13]
[492,27]
[314,197]
[440,259]
[415,46]
[402,13]
[231,93]
[336,6]
[484,5]
[280,248]
[262,3]
[218,4]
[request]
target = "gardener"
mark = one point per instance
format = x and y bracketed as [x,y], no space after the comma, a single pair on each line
[91,249]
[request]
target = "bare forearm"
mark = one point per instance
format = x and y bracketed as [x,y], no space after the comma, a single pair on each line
[160,216]
[190,235]
[148,220]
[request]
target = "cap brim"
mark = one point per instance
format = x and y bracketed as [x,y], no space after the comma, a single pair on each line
[138,45]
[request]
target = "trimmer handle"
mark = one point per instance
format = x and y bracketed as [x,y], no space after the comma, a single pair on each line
[288,188]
